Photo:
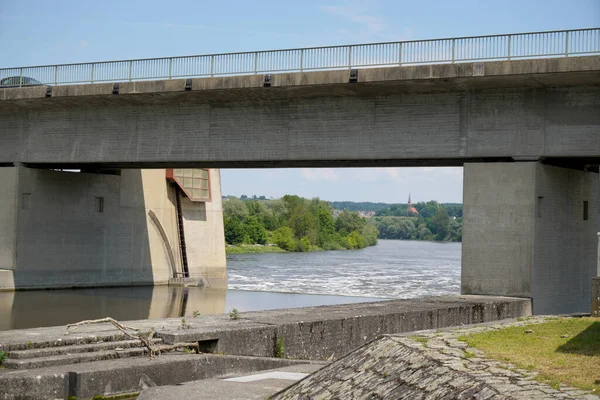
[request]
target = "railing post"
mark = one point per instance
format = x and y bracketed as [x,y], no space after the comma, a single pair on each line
[93,66]
[301,60]
[55,74]
[400,54]
[453,45]
[567,44]
[212,65]
[508,56]
[20,77]
[170,68]
[130,70]
[349,57]
[255,63]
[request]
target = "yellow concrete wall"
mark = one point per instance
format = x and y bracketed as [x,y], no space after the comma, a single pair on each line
[204,236]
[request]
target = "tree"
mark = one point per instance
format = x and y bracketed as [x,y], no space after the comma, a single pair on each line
[349,221]
[234,207]
[284,238]
[304,223]
[440,224]
[234,230]
[255,231]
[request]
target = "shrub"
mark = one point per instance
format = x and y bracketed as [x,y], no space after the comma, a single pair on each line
[284,238]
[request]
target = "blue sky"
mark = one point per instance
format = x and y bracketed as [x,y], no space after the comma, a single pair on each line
[37,32]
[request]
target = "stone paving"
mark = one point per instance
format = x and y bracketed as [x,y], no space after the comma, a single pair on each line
[428,365]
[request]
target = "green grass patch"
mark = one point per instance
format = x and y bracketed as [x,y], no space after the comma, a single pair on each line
[248,248]
[565,350]
[420,339]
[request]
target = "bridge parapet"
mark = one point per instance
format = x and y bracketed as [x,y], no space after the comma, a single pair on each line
[433,51]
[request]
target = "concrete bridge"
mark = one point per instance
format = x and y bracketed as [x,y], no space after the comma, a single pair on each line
[527,132]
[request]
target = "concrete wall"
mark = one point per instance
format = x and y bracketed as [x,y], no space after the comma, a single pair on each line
[62,239]
[565,244]
[8,217]
[524,234]
[205,236]
[498,211]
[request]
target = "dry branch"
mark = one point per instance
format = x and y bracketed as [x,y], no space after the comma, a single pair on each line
[154,349]
[117,324]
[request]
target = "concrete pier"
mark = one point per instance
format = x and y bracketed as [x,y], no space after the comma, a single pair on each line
[107,228]
[530,230]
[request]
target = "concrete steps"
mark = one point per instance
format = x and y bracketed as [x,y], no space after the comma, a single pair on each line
[68,350]
[74,354]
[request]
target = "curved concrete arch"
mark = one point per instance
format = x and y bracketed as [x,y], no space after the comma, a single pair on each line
[165,240]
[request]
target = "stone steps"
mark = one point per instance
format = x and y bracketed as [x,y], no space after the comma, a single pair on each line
[64,359]
[75,349]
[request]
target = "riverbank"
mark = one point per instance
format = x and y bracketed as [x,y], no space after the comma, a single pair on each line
[44,361]
[252,249]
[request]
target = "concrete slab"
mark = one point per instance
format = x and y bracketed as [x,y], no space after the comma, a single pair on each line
[255,386]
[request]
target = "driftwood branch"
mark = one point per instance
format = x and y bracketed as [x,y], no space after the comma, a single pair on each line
[153,349]
[117,324]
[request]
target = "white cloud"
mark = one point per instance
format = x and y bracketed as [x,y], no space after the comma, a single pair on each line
[354,13]
[319,174]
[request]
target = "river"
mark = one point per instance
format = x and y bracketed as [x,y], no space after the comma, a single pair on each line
[392,269]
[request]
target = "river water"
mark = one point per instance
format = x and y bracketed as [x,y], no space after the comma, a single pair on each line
[392,269]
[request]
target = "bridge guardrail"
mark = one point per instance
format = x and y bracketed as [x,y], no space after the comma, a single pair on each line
[451,50]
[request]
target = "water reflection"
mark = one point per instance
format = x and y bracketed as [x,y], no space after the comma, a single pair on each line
[25,309]
[36,308]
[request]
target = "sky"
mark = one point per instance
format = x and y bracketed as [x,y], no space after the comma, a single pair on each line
[41,32]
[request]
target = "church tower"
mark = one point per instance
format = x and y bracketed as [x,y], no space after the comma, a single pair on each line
[410,210]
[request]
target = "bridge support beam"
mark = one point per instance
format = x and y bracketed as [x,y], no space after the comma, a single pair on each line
[67,229]
[529,230]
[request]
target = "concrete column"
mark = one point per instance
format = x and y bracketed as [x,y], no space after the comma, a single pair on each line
[529,230]
[64,229]
[205,236]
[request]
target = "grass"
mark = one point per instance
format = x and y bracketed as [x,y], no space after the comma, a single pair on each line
[565,350]
[420,339]
[249,248]
[279,348]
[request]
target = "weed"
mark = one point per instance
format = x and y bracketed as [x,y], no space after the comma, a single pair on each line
[196,313]
[234,314]
[184,325]
[3,356]
[468,354]
[29,345]
[421,340]
[279,348]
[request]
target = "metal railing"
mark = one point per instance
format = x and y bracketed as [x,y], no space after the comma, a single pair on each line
[452,50]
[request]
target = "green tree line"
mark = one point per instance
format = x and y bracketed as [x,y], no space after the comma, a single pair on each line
[433,222]
[295,224]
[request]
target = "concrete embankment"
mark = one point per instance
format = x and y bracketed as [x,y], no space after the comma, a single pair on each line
[44,363]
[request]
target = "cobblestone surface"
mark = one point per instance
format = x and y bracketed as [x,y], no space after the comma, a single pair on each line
[427,365]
